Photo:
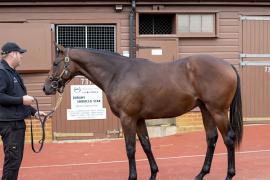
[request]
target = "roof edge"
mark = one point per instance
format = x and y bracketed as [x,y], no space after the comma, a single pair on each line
[96,3]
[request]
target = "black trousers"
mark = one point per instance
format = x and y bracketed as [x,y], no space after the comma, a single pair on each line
[13,135]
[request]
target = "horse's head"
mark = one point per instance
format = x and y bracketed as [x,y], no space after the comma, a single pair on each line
[61,73]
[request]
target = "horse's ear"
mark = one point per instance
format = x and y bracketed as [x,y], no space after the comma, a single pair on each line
[60,47]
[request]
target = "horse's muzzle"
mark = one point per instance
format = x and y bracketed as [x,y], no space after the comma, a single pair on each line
[48,91]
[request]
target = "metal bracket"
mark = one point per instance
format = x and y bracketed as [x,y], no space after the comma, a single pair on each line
[146,47]
[67,59]
[258,18]
[113,132]
[254,55]
[254,63]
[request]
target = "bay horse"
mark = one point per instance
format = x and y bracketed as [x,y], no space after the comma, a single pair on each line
[139,89]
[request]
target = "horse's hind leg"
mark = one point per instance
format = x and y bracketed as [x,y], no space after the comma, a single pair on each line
[229,142]
[211,137]
[129,129]
[144,139]
[223,124]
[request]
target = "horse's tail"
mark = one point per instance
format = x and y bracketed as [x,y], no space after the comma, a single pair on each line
[236,117]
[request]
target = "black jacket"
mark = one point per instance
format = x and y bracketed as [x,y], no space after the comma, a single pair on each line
[12,91]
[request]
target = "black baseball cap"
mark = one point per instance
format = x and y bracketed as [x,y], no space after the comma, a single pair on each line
[11,46]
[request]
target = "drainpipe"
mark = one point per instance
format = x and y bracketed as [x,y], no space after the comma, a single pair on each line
[132,52]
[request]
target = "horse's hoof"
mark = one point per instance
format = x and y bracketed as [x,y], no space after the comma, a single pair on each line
[154,172]
[153,177]
[132,177]
[230,175]
[198,178]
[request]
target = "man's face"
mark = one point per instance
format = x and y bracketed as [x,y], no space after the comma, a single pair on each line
[16,58]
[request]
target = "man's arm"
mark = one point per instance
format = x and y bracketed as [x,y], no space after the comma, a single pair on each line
[6,99]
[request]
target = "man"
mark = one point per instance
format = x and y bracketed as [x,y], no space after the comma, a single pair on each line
[14,108]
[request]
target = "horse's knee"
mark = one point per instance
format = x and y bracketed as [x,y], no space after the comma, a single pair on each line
[211,140]
[147,148]
[145,144]
[130,151]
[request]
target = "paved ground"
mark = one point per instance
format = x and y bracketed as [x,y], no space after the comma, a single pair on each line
[179,157]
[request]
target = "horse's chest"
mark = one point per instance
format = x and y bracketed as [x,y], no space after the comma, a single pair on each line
[126,102]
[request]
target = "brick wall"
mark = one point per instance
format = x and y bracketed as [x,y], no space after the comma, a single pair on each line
[188,122]
[38,131]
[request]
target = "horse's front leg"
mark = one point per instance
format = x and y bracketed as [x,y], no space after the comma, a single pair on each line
[129,129]
[145,142]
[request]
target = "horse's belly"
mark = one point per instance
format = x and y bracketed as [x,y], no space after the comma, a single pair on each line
[171,108]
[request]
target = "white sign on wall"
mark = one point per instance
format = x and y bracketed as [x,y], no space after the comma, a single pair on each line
[85,97]
[126,53]
[86,103]
[83,114]
[156,52]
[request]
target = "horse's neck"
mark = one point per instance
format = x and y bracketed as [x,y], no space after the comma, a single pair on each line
[99,68]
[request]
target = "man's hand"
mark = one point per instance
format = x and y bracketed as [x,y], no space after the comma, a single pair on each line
[28,100]
[41,113]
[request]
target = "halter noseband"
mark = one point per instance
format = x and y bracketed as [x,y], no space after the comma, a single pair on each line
[56,81]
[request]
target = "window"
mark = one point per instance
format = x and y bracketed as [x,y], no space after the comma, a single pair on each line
[152,24]
[101,37]
[193,25]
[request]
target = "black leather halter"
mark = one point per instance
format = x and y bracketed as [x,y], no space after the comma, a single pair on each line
[57,82]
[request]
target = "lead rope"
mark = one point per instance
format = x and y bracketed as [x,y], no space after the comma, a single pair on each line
[42,123]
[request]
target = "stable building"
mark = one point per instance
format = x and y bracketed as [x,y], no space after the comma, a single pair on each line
[237,31]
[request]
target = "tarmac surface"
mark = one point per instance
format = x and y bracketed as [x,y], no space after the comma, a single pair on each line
[179,157]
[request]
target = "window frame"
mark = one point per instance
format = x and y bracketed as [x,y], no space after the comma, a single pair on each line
[174,27]
[138,35]
[86,26]
[197,34]
[176,33]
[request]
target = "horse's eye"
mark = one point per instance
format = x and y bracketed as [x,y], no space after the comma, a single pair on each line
[54,64]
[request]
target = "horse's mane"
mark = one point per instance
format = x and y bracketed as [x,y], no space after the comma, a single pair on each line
[105,52]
